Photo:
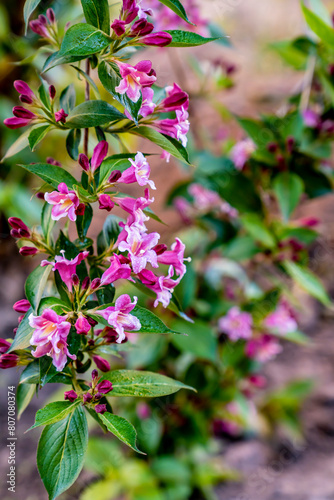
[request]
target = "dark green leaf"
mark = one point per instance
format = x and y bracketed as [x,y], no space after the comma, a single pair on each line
[97,14]
[168,144]
[288,188]
[24,394]
[37,134]
[73,142]
[188,39]
[61,451]
[52,174]
[23,333]
[150,323]
[176,7]
[122,429]
[92,114]
[54,412]
[67,98]
[142,384]
[35,285]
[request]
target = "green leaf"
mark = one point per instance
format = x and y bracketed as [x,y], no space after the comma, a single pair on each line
[200,340]
[67,98]
[97,14]
[23,333]
[54,412]
[80,41]
[297,337]
[24,394]
[176,7]
[37,134]
[109,165]
[29,7]
[43,92]
[169,144]
[122,429]
[93,114]
[21,143]
[52,174]
[143,384]
[150,323]
[73,142]
[288,188]
[89,80]
[61,451]
[188,39]
[308,281]
[110,80]
[111,228]
[319,27]
[258,230]
[35,285]
[83,222]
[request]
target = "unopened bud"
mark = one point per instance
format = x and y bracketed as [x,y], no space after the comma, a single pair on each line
[25,251]
[115,175]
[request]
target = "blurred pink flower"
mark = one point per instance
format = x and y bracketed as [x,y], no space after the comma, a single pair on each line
[263,349]
[281,321]
[236,324]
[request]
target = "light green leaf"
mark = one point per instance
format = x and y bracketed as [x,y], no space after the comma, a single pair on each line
[89,80]
[200,340]
[61,451]
[319,27]
[143,384]
[54,412]
[52,174]
[29,7]
[37,134]
[93,114]
[188,39]
[288,188]
[97,14]
[150,323]
[24,394]
[258,230]
[308,281]
[122,429]
[23,333]
[35,285]
[21,143]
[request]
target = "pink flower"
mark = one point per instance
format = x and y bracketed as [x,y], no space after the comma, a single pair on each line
[60,116]
[26,94]
[105,202]
[263,349]
[21,118]
[236,324]
[116,271]
[101,363]
[4,346]
[175,100]
[134,78]
[130,11]
[163,286]
[100,408]
[135,208]
[65,203]
[118,26]
[311,119]
[139,172]
[175,258]
[119,318]
[140,248]
[204,199]
[82,325]
[281,321]
[65,267]
[241,153]
[184,208]
[50,337]
[104,387]
[148,106]
[176,127]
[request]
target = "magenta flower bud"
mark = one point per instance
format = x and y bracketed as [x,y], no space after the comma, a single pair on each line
[95,284]
[87,398]
[95,374]
[21,112]
[91,321]
[130,10]
[14,123]
[290,142]
[141,27]
[40,195]
[104,387]
[99,154]
[101,408]
[25,99]
[119,27]
[143,411]
[15,233]
[23,88]
[25,251]
[23,233]
[85,283]
[309,222]
[115,175]
[51,16]
[159,39]
[75,279]
[4,346]
[272,147]
[82,326]
[17,223]
[52,161]
[80,210]
[8,360]
[70,395]
[101,363]
[105,203]
[83,162]
[21,306]
[60,116]
[42,19]
[160,249]
[52,92]
[37,27]
[175,101]
[98,396]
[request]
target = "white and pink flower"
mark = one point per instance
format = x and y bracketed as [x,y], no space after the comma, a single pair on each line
[140,248]
[50,337]
[116,271]
[178,127]
[236,324]
[138,172]
[175,258]
[263,349]
[241,153]
[66,267]
[281,321]
[119,317]
[163,286]
[134,78]
[65,203]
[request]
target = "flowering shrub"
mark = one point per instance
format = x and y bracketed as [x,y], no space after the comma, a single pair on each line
[70,317]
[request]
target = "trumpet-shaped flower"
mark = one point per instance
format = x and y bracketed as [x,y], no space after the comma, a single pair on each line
[135,208]
[138,172]
[140,247]
[50,336]
[175,258]
[66,267]
[176,127]
[65,203]
[116,271]
[163,286]
[134,78]
[119,317]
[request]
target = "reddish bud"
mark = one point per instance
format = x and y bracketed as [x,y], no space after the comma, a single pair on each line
[105,202]
[25,251]
[83,162]
[21,112]
[15,233]
[80,210]
[70,395]
[159,39]
[101,363]
[101,408]
[141,27]
[160,249]
[17,223]
[85,283]
[51,16]
[290,143]
[4,346]
[21,306]
[82,326]
[272,147]
[52,92]
[60,116]
[40,195]
[75,280]
[98,396]
[119,27]
[25,99]
[115,175]
[95,374]
[87,397]
[52,161]
[104,387]
[91,321]
[23,88]
[8,360]
[95,284]
[24,234]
